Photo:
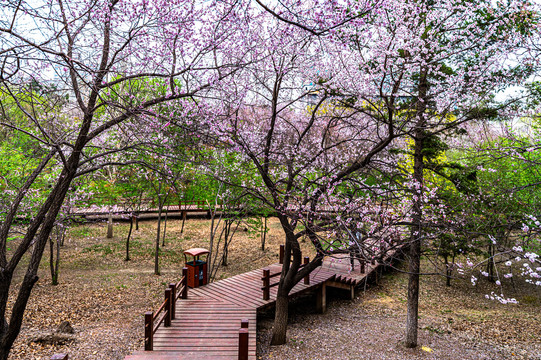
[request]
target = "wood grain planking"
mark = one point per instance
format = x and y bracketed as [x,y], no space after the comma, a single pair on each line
[207,323]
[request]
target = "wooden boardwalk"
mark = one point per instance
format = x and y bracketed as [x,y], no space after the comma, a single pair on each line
[100,211]
[207,323]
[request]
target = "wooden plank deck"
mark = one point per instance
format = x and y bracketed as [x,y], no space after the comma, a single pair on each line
[207,324]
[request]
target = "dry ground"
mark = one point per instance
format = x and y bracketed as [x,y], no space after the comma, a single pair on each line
[104,298]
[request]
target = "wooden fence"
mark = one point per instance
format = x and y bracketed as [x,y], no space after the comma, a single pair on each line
[166,312]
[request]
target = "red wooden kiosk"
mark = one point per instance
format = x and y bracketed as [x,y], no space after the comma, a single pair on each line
[197,269]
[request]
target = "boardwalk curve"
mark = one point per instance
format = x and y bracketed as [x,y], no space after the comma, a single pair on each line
[207,323]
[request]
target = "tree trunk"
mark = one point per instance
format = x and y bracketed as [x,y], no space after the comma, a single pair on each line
[490,263]
[415,256]
[110,227]
[128,240]
[264,234]
[53,264]
[165,225]
[416,229]
[447,271]
[183,221]
[44,221]
[279,330]
[157,249]
[5,283]
[227,230]
[290,267]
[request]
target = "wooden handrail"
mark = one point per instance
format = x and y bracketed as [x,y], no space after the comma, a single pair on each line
[172,293]
[166,308]
[272,275]
[192,202]
[182,285]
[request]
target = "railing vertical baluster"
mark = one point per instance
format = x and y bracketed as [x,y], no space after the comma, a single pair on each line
[282,252]
[266,283]
[307,277]
[173,288]
[243,341]
[149,325]
[184,283]
[167,319]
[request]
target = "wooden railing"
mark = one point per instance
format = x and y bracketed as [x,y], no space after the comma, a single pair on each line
[267,276]
[166,312]
[192,202]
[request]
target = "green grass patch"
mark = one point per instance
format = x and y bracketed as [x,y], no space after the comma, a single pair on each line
[103,249]
[79,232]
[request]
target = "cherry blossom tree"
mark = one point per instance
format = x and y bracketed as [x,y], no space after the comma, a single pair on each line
[312,145]
[101,56]
[432,65]
[447,58]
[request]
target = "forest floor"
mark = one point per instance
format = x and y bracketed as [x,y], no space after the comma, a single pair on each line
[104,298]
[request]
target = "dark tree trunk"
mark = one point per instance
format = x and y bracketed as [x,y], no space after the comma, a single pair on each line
[183,221]
[165,225]
[44,221]
[264,234]
[128,239]
[414,262]
[290,268]
[490,263]
[5,283]
[279,330]
[416,229]
[157,249]
[447,271]
[227,232]
[53,265]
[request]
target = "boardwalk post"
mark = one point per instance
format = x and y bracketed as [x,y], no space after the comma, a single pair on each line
[149,327]
[173,288]
[167,319]
[307,277]
[184,283]
[244,323]
[59,357]
[243,344]
[362,266]
[266,283]
[282,252]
